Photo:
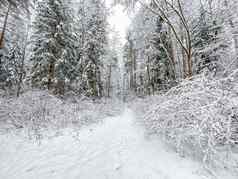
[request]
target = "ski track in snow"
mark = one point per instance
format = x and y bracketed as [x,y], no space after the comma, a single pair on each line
[115,149]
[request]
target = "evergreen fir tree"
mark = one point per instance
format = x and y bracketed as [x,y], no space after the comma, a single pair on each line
[161,71]
[53,53]
[11,68]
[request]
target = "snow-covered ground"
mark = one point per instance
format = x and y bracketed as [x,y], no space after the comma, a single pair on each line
[116,148]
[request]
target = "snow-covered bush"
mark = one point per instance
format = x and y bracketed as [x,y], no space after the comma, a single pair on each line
[199,116]
[39,110]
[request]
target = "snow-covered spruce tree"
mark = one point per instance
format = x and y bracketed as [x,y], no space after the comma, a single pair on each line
[13,67]
[207,42]
[53,46]
[161,65]
[92,25]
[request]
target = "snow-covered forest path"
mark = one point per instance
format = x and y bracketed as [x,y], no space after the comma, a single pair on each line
[115,149]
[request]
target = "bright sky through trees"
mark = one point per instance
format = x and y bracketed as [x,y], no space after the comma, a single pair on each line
[119,19]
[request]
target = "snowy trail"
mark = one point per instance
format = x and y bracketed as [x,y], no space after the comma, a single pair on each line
[115,149]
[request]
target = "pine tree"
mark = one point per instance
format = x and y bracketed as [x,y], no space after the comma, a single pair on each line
[53,53]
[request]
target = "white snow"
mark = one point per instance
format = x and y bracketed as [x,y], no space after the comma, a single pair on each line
[114,149]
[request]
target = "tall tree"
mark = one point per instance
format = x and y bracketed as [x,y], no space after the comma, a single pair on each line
[53,47]
[93,25]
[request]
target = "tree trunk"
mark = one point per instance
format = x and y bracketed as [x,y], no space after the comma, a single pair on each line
[109,81]
[99,82]
[22,65]
[149,78]
[185,65]
[51,74]
[60,87]
[235,36]
[189,62]
[4,27]
[134,71]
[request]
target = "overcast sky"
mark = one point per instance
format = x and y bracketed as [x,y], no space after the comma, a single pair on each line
[119,20]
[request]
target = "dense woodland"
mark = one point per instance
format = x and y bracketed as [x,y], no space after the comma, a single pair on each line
[51,45]
[173,40]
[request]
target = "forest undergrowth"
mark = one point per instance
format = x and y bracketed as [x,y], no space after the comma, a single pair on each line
[198,118]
